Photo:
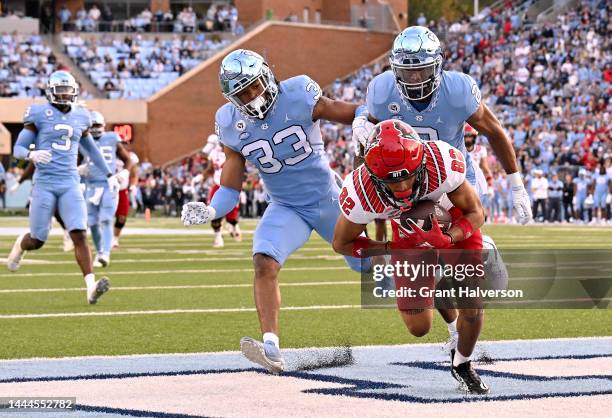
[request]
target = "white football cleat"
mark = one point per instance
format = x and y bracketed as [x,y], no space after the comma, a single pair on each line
[68,244]
[102,261]
[265,354]
[218,242]
[16,254]
[102,286]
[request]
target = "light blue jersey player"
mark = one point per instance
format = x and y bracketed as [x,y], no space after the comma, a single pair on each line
[50,139]
[101,200]
[275,126]
[437,104]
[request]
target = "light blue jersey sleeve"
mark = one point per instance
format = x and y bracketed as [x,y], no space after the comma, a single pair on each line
[228,126]
[466,97]
[304,93]
[378,93]
[33,115]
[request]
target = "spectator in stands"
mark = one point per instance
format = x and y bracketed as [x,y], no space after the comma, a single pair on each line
[107,19]
[65,15]
[555,194]
[422,20]
[539,189]
[79,19]
[568,199]
[260,200]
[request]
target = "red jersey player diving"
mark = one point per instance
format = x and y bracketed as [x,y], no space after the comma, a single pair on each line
[398,171]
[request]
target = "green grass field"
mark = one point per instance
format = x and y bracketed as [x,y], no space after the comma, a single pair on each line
[179,272]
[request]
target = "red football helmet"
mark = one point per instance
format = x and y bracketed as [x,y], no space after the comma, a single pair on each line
[394,152]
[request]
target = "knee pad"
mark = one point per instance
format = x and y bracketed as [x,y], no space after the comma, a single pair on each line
[216,224]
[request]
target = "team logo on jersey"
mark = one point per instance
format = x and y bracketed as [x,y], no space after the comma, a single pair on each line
[244,136]
[419,118]
[397,117]
[265,126]
[394,107]
[439,120]
[476,92]
[240,125]
[49,113]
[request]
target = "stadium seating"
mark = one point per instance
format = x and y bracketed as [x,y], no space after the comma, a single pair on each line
[137,67]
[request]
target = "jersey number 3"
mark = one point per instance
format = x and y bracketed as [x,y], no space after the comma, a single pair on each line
[66,137]
[270,165]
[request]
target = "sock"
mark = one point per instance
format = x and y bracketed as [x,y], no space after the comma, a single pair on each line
[95,236]
[218,234]
[270,336]
[106,232]
[459,358]
[90,281]
[452,327]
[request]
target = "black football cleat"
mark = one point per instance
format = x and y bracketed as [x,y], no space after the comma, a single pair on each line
[468,379]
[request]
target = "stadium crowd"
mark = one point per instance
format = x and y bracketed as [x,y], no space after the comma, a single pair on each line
[25,65]
[218,17]
[135,67]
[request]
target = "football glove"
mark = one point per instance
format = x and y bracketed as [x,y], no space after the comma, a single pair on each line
[13,187]
[362,128]
[124,179]
[434,237]
[197,213]
[39,156]
[520,199]
[113,184]
[83,170]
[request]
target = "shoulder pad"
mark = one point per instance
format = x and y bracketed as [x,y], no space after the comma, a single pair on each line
[225,115]
[461,89]
[380,87]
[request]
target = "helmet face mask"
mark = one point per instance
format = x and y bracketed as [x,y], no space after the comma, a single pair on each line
[97,124]
[416,61]
[394,154]
[62,89]
[243,72]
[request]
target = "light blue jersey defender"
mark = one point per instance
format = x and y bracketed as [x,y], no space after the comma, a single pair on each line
[101,201]
[56,184]
[457,98]
[287,149]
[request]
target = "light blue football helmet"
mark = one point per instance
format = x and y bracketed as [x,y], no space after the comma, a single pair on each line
[97,124]
[62,88]
[239,70]
[416,61]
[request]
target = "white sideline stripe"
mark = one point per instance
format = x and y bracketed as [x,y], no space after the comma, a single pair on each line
[178,287]
[290,349]
[173,311]
[116,273]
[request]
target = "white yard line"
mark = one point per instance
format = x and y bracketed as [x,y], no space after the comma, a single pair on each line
[174,311]
[178,287]
[144,272]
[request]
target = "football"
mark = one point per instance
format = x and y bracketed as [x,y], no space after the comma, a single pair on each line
[420,213]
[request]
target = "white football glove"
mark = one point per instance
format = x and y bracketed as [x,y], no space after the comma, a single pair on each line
[520,199]
[39,156]
[13,187]
[113,184]
[197,213]
[83,170]
[124,179]
[362,128]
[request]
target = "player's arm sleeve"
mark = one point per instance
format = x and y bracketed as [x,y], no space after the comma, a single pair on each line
[22,146]
[232,175]
[87,143]
[371,93]
[351,206]
[472,96]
